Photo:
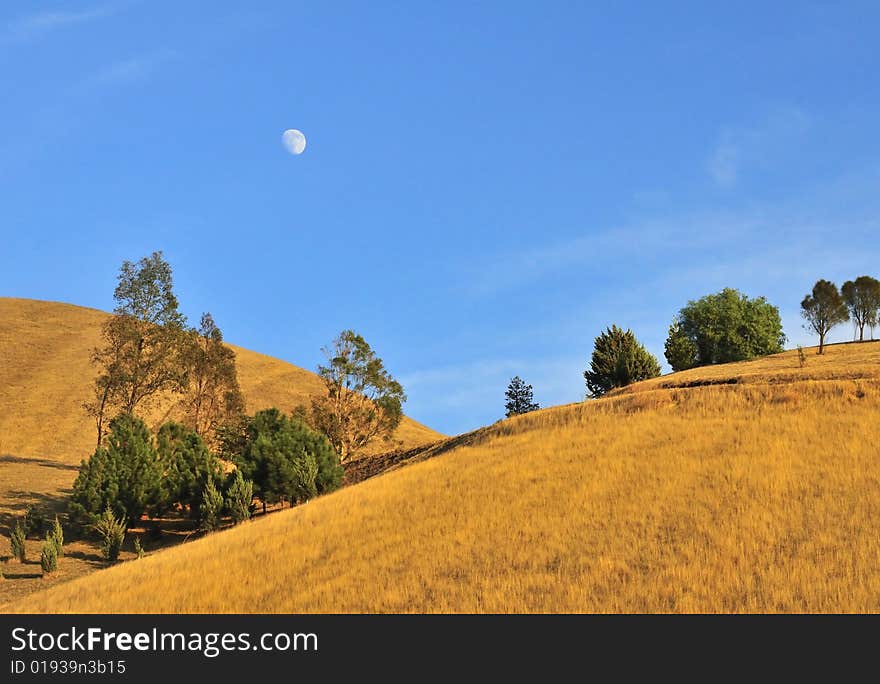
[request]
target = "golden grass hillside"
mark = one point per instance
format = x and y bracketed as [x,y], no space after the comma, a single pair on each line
[45,376]
[756,496]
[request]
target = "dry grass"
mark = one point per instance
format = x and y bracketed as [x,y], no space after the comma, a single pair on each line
[750,497]
[45,375]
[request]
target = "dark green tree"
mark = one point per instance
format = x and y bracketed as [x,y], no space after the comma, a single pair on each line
[141,354]
[519,398]
[123,476]
[187,466]
[213,396]
[862,298]
[276,453]
[723,328]
[823,309]
[618,360]
[681,352]
[363,401]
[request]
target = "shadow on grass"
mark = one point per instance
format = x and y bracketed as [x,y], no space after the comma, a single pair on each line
[42,462]
[48,504]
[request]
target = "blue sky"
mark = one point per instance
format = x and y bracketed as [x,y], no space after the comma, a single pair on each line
[486,185]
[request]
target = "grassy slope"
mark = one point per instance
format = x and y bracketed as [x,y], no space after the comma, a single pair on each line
[758,496]
[45,376]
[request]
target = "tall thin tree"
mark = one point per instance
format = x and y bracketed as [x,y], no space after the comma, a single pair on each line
[140,355]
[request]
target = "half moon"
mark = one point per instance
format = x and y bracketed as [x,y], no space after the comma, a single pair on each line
[294,141]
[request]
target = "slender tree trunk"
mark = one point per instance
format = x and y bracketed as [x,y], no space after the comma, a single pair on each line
[821,343]
[99,419]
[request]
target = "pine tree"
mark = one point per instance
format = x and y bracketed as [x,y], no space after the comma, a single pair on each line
[124,475]
[49,555]
[618,360]
[186,465]
[211,508]
[239,497]
[16,543]
[111,530]
[520,398]
[56,535]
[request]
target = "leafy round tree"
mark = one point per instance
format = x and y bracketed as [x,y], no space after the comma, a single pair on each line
[862,298]
[520,398]
[723,328]
[618,360]
[823,309]
[363,401]
[124,475]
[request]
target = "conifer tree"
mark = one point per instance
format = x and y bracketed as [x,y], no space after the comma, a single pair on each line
[124,475]
[520,398]
[618,360]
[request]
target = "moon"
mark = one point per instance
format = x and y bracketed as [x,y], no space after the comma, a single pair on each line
[294,141]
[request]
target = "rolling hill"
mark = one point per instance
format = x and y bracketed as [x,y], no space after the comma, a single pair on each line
[45,375]
[750,487]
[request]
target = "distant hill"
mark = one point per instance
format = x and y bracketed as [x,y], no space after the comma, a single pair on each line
[750,487]
[46,375]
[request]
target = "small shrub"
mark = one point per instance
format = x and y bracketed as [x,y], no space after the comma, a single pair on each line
[211,508]
[138,549]
[57,537]
[16,543]
[112,533]
[49,555]
[239,496]
[802,358]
